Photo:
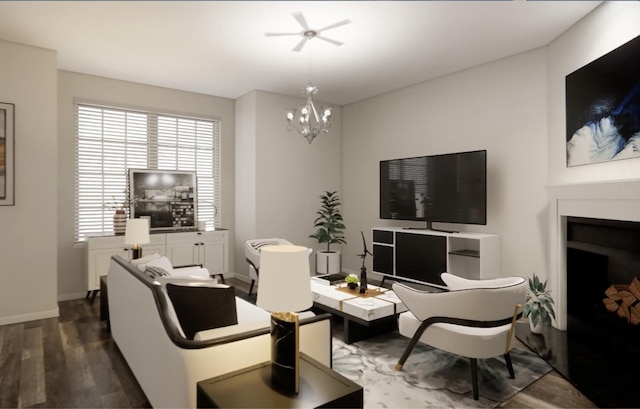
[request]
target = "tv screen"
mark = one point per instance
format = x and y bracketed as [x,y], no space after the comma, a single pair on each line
[448,188]
[167,198]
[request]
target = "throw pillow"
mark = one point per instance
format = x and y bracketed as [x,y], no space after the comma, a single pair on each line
[144,260]
[161,262]
[154,272]
[200,307]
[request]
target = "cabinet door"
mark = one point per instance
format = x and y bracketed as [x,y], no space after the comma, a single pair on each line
[183,254]
[149,249]
[383,258]
[421,257]
[213,257]
[99,260]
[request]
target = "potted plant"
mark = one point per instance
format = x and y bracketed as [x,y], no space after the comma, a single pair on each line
[539,305]
[352,281]
[330,227]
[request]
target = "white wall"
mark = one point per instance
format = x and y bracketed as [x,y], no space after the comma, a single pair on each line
[28,251]
[245,178]
[603,30]
[74,86]
[500,107]
[288,175]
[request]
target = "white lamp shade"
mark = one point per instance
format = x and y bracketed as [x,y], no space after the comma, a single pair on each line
[285,285]
[136,231]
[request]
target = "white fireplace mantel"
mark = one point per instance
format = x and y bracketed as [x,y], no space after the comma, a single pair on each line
[613,200]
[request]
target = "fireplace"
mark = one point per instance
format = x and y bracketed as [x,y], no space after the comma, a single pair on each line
[607,201]
[603,268]
[594,236]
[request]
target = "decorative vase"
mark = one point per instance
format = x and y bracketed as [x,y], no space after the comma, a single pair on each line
[537,329]
[363,280]
[119,222]
[352,286]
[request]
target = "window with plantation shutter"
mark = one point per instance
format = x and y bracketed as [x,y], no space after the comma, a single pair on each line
[111,140]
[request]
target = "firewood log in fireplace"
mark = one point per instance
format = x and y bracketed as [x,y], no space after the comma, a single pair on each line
[624,300]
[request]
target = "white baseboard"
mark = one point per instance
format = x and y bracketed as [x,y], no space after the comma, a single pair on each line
[71,296]
[32,316]
[242,277]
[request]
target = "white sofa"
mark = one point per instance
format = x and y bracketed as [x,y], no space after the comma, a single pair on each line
[168,365]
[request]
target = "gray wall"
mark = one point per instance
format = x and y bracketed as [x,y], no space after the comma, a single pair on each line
[500,107]
[28,252]
[279,175]
[514,108]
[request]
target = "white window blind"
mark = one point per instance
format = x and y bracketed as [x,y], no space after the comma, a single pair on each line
[109,141]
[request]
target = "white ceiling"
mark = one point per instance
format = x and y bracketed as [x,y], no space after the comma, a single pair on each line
[220,48]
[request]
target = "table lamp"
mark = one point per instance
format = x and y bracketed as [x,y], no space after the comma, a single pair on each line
[284,289]
[136,233]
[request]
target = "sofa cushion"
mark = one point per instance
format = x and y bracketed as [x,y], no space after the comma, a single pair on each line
[200,307]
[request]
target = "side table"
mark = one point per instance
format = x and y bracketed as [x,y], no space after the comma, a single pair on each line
[320,387]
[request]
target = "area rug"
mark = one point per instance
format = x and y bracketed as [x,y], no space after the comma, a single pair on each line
[430,378]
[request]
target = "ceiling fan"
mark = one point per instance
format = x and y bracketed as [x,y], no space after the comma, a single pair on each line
[308,33]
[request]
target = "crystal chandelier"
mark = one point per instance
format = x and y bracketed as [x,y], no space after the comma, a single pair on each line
[308,119]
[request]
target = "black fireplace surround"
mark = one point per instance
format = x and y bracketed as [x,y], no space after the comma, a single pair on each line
[600,352]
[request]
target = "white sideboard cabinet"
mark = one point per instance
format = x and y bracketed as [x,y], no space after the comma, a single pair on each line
[206,248]
[422,255]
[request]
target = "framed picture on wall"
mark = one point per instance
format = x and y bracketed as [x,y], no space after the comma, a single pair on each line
[6,154]
[603,108]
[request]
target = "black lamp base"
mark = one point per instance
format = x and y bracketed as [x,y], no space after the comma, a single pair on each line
[285,359]
[136,252]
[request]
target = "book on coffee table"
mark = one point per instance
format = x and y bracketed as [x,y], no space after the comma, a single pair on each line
[329,279]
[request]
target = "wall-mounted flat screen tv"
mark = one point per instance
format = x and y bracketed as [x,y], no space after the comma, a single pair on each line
[167,197]
[449,188]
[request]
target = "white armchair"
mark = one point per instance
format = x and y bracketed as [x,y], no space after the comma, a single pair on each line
[475,318]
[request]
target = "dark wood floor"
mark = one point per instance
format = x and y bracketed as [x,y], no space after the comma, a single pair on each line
[71,362]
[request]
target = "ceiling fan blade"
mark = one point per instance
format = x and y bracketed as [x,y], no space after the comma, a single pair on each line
[280,34]
[334,25]
[301,20]
[300,44]
[330,40]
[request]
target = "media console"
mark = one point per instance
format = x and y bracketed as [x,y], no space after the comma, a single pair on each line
[422,255]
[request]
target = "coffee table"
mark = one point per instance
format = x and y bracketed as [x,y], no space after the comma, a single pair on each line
[364,316]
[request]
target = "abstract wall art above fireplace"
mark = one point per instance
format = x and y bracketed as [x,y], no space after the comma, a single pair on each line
[603,108]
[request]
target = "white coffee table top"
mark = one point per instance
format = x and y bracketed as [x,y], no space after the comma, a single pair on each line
[349,302]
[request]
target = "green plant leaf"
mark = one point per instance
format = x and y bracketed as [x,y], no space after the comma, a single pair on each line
[329,221]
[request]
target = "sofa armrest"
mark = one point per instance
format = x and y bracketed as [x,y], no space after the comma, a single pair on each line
[191,271]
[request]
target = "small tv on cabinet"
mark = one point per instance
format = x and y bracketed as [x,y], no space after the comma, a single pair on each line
[167,197]
[449,188]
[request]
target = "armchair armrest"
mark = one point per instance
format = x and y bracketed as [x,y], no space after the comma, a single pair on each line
[477,304]
[454,282]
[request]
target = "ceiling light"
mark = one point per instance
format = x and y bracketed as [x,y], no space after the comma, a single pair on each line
[308,119]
